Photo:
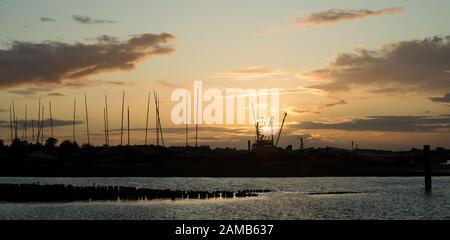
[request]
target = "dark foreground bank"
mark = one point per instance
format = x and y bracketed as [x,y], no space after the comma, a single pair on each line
[24,159]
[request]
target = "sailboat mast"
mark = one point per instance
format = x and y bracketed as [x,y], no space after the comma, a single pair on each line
[128,127]
[32,130]
[104,126]
[160,127]
[73,123]
[146,119]
[51,118]
[25,124]
[156,118]
[121,122]
[87,119]
[107,120]
[39,121]
[15,120]
[187,119]
[196,121]
[11,123]
[158,121]
[42,125]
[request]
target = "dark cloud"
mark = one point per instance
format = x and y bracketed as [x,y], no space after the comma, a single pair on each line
[413,66]
[314,109]
[46,19]
[56,95]
[341,102]
[29,91]
[385,124]
[107,39]
[337,15]
[117,83]
[305,110]
[95,83]
[53,62]
[47,123]
[444,99]
[88,20]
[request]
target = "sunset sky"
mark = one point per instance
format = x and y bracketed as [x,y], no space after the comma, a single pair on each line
[373,72]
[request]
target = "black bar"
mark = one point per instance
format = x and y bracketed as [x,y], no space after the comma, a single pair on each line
[167,229]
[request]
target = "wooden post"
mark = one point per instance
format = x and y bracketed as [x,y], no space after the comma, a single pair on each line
[427,165]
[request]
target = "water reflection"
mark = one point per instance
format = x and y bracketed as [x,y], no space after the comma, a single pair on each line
[366,198]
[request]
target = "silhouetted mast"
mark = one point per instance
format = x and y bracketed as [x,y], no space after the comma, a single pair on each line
[160,126]
[107,120]
[186,119]
[146,119]
[104,126]
[11,123]
[32,130]
[196,120]
[38,121]
[271,128]
[87,119]
[42,124]
[51,117]
[25,124]
[15,120]
[256,124]
[158,120]
[74,110]
[121,122]
[128,122]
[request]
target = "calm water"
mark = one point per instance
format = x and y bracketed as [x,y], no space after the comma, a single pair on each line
[377,198]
